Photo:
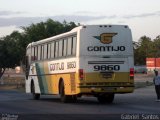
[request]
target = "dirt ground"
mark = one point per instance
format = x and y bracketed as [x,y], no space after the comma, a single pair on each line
[143,78]
[17,83]
[7,87]
[13,83]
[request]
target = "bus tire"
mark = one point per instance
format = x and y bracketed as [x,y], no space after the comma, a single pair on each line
[66,98]
[36,96]
[106,98]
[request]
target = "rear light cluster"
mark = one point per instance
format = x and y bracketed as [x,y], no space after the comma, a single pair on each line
[131,72]
[81,74]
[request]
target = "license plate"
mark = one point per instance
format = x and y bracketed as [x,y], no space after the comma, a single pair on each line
[108,89]
[106,75]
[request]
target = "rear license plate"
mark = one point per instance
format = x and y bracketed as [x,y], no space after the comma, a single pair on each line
[108,89]
[106,75]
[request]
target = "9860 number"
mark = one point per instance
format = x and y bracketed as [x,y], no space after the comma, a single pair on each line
[106,68]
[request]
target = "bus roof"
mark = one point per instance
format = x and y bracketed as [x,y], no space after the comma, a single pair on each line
[74,30]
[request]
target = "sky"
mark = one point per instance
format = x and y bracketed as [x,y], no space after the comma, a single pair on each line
[142,16]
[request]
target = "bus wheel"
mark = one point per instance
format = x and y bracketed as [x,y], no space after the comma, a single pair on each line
[106,98]
[66,98]
[36,96]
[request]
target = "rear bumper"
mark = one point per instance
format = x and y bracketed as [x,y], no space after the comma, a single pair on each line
[105,89]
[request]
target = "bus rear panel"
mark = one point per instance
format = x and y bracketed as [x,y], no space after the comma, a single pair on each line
[106,59]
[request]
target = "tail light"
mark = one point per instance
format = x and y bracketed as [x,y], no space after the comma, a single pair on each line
[131,72]
[81,74]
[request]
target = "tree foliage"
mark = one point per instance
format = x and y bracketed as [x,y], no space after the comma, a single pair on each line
[13,46]
[9,52]
[145,48]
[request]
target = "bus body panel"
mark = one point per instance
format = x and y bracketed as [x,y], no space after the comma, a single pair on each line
[47,76]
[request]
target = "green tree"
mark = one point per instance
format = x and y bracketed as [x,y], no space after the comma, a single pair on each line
[156,44]
[143,50]
[2,57]
[13,46]
[43,30]
[10,54]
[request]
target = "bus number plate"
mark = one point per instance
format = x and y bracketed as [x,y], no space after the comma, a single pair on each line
[106,67]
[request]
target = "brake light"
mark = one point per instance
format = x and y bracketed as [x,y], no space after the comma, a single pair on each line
[131,72]
[81,74]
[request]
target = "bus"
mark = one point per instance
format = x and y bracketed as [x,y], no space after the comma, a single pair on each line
[91,60]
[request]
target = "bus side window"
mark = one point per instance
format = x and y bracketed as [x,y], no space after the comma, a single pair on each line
[69,46]
[42,52]
[74,45]
[60,48]
[39,52]
[52,50]
[64,47]
[35,53]
[49,51]
[56,49]
[45,51]
[32,53]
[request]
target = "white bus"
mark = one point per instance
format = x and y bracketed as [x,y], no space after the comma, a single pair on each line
[89,60]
